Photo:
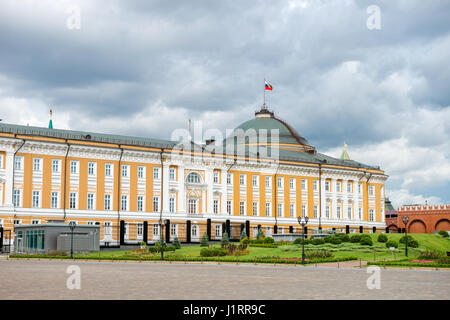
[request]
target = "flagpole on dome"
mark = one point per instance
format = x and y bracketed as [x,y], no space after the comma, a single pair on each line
[264,103]
[50,123]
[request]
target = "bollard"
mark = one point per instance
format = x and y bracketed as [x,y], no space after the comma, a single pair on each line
[360,263]
[384,263]
[338,262]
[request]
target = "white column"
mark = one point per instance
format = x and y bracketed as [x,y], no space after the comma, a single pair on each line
[223,196]
[345,193]
[165,187]
[204,202]
[9,165]
[323,202]
[209,180]
[181,191]
[333,199]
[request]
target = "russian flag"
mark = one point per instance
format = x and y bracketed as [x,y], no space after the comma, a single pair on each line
[268,86]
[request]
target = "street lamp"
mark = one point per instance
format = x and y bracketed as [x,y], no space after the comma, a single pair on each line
[303,222]
[72,225]
[405,221]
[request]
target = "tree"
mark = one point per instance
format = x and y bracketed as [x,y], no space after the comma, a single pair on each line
[176,243]
[225,239]
[204,242]
[243,234]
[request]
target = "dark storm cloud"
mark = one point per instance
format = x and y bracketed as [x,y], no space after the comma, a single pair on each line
[135,65]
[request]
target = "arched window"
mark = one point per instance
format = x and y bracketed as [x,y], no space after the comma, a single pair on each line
[193,177]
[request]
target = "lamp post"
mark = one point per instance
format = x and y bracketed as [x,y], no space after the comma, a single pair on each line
[303,221]
[72,225]
[405,221]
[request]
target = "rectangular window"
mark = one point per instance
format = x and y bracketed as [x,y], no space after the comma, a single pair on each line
[72,200]
[291,184]
[349,213]
[371,190]
[303,184]
[172,204]
[255,180]
[216,177]
[292,210]
[371,215]
[36,199]
[91,168]
[327,212]
[124,170]
[73,167]
[315,212]
[36,164]
[140,172]
[216,206]
[338,212]
[55,166]
[280,209]
[359,187]
[90,201]
[156,230]
[242,208]
[140,230]
[192,206]
[229,178]
[124,203]
[242,179]
[108,228]
[218,231]
[338,186]
[172,174]
[18,163]
[54,198]
[229,206]
[156,173]
[360,213]
[107,202]
[280,182]
[173,230]
[316,185]
[268,181]
[141,203]
[155,204]
[268,209]
[16,198]
[349,187]
[327,185]
[255,208]
[108,171]
[303,210]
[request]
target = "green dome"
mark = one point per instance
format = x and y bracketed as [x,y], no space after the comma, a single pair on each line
[265,119]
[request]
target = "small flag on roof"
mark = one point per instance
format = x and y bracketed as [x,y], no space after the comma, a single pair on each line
[268,86]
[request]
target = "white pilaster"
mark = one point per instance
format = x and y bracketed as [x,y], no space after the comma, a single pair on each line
[165,198]
[209,180]
[181,191]
[9,165]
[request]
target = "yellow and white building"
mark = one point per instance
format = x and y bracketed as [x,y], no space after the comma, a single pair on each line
[107,179]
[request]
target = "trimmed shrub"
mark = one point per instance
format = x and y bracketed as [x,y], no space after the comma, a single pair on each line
[176,243]
[430,254]
[402,239]
[356,238]
[245,241]
[327,239]
[243,234]
[392,243]
[317,241]
[413,243]
[343,237]
[382,238]
[318,254]
[204,240]
[269,240]
[225,240]
[213,252]
[336,240]
[443,233]
[366,241]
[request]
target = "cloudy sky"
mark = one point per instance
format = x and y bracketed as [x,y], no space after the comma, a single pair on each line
[145,67]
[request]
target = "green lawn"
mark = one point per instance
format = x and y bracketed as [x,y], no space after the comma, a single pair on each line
[378,251]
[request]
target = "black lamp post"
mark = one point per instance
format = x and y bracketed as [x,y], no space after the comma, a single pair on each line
[405,221]
[303,222]
[72,225]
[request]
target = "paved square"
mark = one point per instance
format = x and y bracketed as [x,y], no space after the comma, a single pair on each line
[31,279]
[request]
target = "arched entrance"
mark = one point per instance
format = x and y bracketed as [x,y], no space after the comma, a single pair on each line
[392,228]
[417,226]
[442,225]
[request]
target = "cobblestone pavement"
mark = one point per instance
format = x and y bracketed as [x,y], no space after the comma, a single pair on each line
[31,279]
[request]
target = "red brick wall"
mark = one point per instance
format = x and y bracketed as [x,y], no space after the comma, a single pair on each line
[424,219]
